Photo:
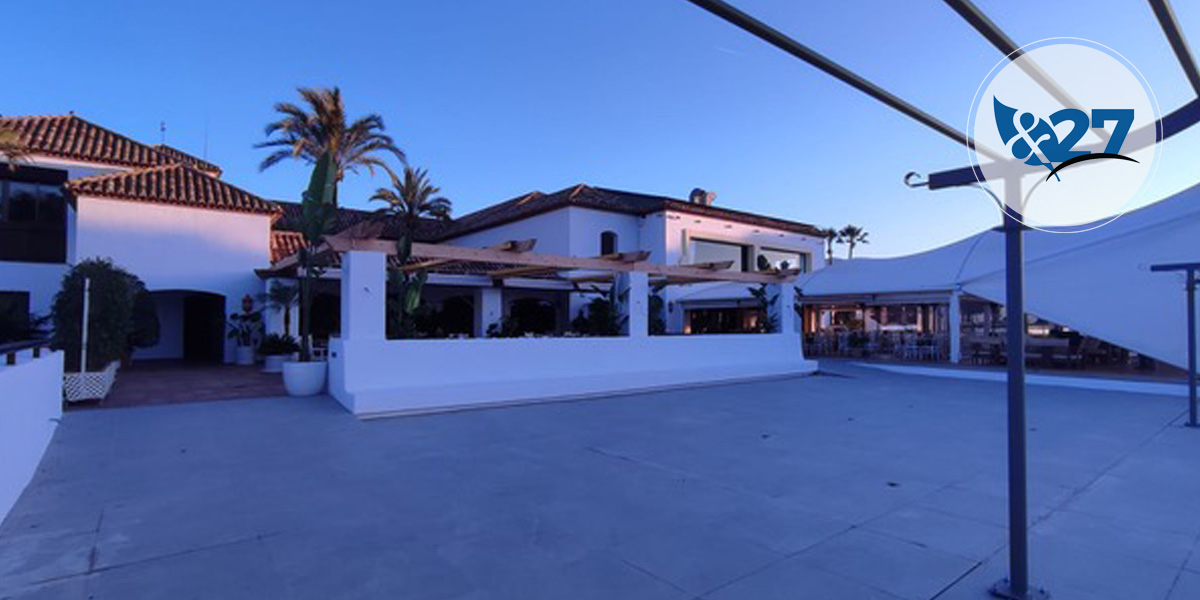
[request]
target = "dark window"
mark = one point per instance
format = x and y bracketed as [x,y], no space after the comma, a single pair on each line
[608,242]
[22,199]
[781,259]
[705,251]
[33,215]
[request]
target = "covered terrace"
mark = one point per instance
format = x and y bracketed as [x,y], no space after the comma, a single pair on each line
[372,375]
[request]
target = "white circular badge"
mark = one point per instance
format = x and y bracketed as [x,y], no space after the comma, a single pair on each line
[1066,135]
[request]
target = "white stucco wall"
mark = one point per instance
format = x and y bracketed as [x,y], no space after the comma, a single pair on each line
[29,409]
[551,229]
[178,248]
[364,379]
[40,280]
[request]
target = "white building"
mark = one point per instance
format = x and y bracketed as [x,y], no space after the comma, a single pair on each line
[200,244]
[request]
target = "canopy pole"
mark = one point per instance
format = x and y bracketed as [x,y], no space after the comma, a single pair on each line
[1191,325]
[1189,270]
[1016,585]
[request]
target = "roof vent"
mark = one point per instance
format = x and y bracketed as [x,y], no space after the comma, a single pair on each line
[701,197]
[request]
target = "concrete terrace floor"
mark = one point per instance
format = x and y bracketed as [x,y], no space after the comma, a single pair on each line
[868,486]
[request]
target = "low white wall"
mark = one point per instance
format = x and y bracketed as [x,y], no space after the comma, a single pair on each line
[371,377]
[29,407]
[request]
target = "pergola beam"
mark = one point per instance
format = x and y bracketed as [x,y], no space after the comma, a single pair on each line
[522,272]
[509,246]
[719,265]
[992,33]
[776,38]
[547,261]
[1166,19]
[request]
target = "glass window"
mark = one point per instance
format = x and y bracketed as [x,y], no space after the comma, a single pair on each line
[22,201]
[608,242]
[705,251]
[769,259]
[33,216]
[52,207]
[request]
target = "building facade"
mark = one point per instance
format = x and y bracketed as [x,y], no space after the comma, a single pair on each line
[201,244]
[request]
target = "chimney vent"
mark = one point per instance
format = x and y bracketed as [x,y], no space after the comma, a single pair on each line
[701,197]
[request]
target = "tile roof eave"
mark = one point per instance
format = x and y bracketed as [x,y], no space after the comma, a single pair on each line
[92,187]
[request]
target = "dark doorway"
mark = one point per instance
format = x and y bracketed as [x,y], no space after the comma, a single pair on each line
[722,320]
[204,327]
[533,315]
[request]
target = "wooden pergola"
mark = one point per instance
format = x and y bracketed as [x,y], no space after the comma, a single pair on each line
[516,260]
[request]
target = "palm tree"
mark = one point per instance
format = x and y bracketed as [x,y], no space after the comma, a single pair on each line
[852,235]
[281,297]
[412,198]
[12,148]
[830,235]
[409,200]
[308,134]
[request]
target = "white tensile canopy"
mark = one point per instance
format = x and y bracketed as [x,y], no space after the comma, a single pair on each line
[1098,282]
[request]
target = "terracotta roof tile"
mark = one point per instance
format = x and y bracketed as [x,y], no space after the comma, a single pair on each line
[285,244]
[428,230]
[606,200]
[68,136]
[172,184]
[176,155]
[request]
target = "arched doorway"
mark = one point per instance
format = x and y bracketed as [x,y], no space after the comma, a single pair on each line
[191,327]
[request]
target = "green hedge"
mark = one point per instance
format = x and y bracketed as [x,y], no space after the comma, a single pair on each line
[121,314]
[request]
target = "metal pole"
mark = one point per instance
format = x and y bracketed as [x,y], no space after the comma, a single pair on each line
[1016,586]
[1191,325]
[776,38]
[83,342]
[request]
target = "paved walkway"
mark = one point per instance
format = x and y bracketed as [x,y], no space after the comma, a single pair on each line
[869,486]
[173,382]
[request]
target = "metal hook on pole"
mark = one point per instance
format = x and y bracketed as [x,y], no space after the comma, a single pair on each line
[915,180]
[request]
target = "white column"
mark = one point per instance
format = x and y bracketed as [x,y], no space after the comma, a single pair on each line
[489,308]
[364,295]
[635,303]
[955,326]
[784,308]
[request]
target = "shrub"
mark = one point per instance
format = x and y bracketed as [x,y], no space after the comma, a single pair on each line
[276,344]
[17,324]
[112,329]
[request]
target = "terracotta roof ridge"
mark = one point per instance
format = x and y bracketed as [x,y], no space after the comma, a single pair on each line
[578,189]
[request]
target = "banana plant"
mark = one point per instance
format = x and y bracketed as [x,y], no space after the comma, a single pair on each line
[408,285]
[318,208]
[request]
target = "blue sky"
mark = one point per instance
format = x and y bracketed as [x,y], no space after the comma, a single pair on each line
[500,98]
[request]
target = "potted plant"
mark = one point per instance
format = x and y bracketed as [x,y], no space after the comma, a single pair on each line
[306,377]
[245,328]
[275,348]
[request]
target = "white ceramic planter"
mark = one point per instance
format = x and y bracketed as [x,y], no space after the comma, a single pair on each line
[304,378]
[273,363]
[245,355]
